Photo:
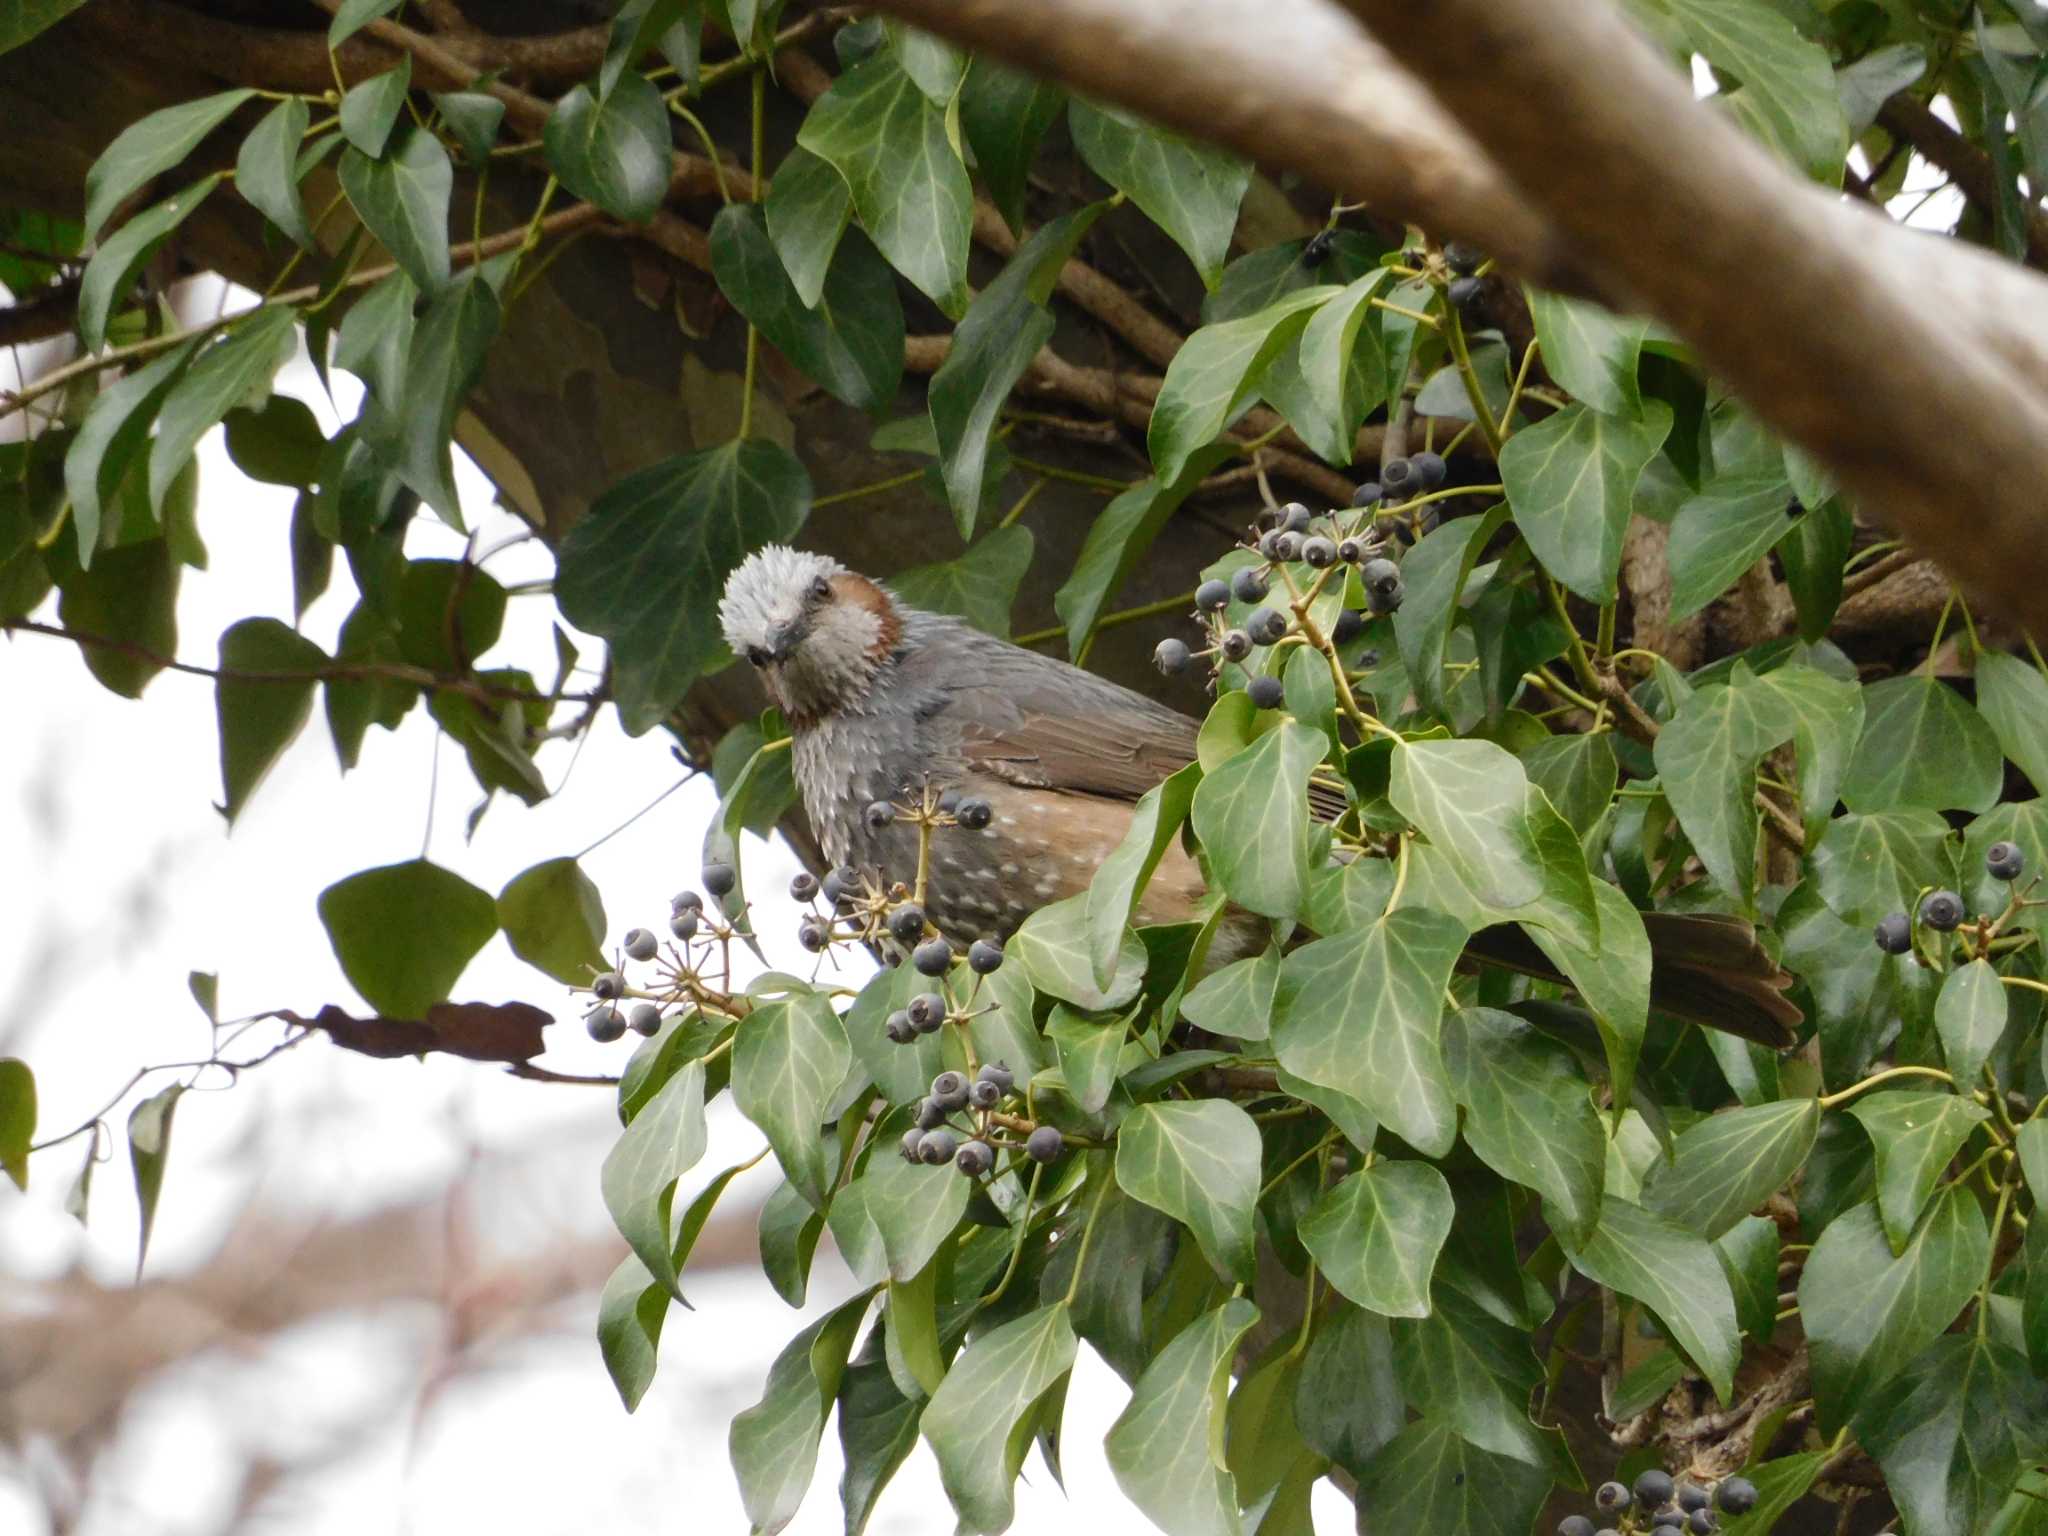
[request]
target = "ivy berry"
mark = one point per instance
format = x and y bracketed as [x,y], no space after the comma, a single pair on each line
[1171,657]
[985,956]
[932,957]
[1248,586]
[1212,596]
[1942,911]
[2004,861]
[1735,1495]
[975,1159]
[1895,933]
[720,879]
[641,945]
[1044,1144]
[1266,692]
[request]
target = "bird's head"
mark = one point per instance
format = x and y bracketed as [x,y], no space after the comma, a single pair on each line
[815,631]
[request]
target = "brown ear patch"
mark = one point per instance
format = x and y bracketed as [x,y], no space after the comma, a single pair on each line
[852,587]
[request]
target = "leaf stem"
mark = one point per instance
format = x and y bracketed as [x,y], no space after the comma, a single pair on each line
[1829,1101]
[1454,332]
[1176,604]
[1088,1234]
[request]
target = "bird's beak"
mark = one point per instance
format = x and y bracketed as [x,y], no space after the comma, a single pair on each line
[783,639]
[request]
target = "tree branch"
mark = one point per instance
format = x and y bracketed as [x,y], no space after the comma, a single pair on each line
[1905,116]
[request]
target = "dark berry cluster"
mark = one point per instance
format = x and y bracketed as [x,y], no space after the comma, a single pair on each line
[684,969]
[963,1122]
[1944,911]
[1661,1504]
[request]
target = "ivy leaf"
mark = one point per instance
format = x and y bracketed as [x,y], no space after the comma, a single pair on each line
[644,567]
[402,200]
[1251,814]
[1591,352]
[664,1141]
[615,151]
[1346,1402]
[911,1219]
[807,208]
[26,18]
[2013,699]
[1435,572]
[1913,1135]
[1236,999]
[1341,370]
[774,1444]
[259,719]
[980,586]
[351,16]
[1121,878]
[1813,553]
[1867,866]
[1724,530]
[1430,1478]
[1748,1252]
[1199,1163]
[444,361]
[1056,952]
[110,275]
[1377,1235]
[1470,798]
[877,1429]
[370,109]
[553,917]
[789,1232]
[149,1151]
[1577,772]
[1827,714]
[786,1064]
[1529,1111]
[267,169]
[1969,1016]
[1954,1430]
[1671,1272]
[630,1312]
[1728,1164]
[131,593]
[1867,1312]
[1189,190]
[115,432]
[405,932]
[889,142]
[1474,1372]
[935,64]
[1118,540]
[1216,374]
[278,442]
[1004,113]
[1707,759]
[1571,480]
[1923,748]
[228,373]
[850,343]
[1788,95]
[473,117]
[991,349]
[17,1119]
[144,150]
[973,1419]
[1359,1012]
[1166,1447]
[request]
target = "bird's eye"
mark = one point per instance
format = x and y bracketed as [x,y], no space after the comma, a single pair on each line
[820,589]
[758,655]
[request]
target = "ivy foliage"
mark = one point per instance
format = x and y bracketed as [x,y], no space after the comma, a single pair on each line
[1479,1179]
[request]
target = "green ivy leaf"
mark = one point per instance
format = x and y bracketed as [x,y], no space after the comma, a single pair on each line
[1121,878]
[877,1429]
[1251,814]
[443,363]
[1827,715]
[473,117]
[1913,1135]
[1004,114]
[1359,1012]
[1724,530]
[267,169]
[1199,1163]
[1787,96]
[911,1211]
[1475,1373]
[1571,480]
[1190,190]
[370,109]
[1954,1430]
[1730,1163]
[774,1444]
[1969,1016]
[17,1119]
[1346,1402]
[615,151]
[644,567]
[1377,1235]
[1612,978]
[402,200]
[630,1312]
[2013,699]
[1215,375]
[1429,1478]
[259,719]
[909,187]
[553,917]
[1923,748]
[789,1232]
[278,442]
[1529,1111]
[1470,798]
[1166,1447]
[149,1150]
[1813,553]
[1867,866]
[114,434]
[1056,952]
[131,593]
[807,208]
[1674,1274]
[664,1141]
[1237,999]
[1342,372]
[980,586]
[1707,759]
[110,275]
[934,64]
[991,349]
[1867,1312]
[786,1064]
[351,16]
[226,373]
[144,150]
[405,932]
[850,342]
[1590,351]
[1577,773]
[1749,1252]
[973,1420]
[1435,572]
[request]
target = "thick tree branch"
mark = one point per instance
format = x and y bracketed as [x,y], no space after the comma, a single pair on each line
[1906,117]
